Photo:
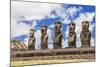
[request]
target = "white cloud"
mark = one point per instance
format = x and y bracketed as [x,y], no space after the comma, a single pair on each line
[26,41]
[92,26]
[18,29]
[92,42]
[64,43]
[34,23]
[51,26]
[50,38]
[60,12]
[38,39]
[30,10]
[70,12]
[21,28]
[73,10]
[66,20]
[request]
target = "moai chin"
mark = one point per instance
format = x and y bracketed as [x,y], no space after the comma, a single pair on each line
[31,40]
[44,37]
[85,34]
[57,42]
[71,35]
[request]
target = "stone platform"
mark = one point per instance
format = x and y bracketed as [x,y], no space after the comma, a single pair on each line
[51,52]
[52,56]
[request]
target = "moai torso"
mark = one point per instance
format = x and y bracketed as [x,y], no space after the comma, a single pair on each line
[44,41]
[57,42]
[44,37]
[31,41]
[72,40]
[85,39]
[85,34]
[72,36]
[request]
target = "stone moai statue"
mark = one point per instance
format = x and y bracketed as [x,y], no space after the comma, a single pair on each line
[71,35]
[44,37]
[31,40]
[57,41]
[85,34]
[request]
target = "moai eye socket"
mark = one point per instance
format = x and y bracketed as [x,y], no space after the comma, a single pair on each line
[57,25]
[43,28]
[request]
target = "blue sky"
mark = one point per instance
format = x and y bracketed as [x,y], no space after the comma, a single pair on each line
[26,15]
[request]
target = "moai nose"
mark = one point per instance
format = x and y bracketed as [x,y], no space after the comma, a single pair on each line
[70,28]
[43,30]
[56,27]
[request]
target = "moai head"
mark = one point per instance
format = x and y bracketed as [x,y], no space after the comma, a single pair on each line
[31,34]
[71,27]
[57,26]
[43,29]
[85,25]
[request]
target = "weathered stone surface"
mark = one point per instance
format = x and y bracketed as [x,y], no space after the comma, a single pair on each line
[57,42]
[52,52]
[44,37]
[31,41]
[71,35]
[85,34]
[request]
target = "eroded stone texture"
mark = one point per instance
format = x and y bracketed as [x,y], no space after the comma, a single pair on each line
[57,42]
[72,35]
[31,41]
[44,37]
[85,34]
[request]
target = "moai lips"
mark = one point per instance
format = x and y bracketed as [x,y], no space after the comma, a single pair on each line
[31,41]
[44,37]
[57,42]
[72,36]
[85,34]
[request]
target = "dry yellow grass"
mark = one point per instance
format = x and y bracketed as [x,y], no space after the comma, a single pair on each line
[35,62]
